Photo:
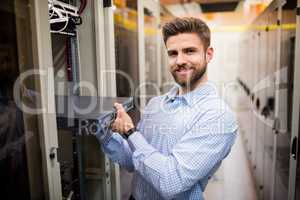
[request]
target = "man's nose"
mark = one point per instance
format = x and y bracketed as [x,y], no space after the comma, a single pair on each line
[180,60]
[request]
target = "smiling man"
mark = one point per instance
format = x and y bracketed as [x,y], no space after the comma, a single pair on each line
[183,135]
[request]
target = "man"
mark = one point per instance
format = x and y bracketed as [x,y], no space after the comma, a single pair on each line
[183,135]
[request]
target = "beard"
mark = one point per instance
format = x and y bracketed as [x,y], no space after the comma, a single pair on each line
[192,81]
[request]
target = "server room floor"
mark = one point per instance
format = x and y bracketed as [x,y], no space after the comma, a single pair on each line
[233,181]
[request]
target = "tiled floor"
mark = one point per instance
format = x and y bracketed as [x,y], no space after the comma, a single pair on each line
[233,181]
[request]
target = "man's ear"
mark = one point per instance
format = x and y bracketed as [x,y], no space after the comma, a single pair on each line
[209,54]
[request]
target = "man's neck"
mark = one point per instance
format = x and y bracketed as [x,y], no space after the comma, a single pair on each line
[184,90]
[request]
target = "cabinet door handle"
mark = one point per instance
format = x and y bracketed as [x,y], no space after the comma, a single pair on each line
[294,148]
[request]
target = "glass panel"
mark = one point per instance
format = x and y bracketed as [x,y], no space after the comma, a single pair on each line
[152,88]
[127,66]
[126,50]
[21,173]
[126,45]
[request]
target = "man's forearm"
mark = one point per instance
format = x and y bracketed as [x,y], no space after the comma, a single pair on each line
[118,150]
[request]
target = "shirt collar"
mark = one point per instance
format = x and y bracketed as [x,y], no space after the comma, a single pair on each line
[172,92]
[194,96]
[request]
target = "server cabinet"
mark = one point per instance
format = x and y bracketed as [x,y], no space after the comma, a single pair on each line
[294,175]
[273,96]
[84,62]
[284,91]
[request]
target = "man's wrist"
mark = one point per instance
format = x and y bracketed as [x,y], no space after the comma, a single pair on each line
[130,132]
[128,126]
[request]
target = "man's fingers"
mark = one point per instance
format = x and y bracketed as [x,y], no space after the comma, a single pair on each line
[120,110]
[119,106]
[122,121]
[119,113]
[114,125]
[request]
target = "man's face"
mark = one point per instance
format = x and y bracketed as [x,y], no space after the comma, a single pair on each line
[188,59]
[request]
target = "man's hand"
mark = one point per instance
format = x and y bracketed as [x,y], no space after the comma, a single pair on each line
[123,123]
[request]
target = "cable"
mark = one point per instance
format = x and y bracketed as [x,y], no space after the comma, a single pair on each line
[83,4]
[67,22]
[51,9]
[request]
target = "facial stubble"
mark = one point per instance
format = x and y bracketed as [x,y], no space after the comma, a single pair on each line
[193,80]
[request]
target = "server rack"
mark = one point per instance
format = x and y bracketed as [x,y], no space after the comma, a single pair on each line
[294,180]
[86,173]
[270,87]
[71,59]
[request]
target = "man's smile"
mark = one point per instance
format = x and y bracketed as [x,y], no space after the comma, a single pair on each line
[184,71]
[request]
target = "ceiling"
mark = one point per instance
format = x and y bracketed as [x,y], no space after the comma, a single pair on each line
[193,7]
[169,2]
[218,12]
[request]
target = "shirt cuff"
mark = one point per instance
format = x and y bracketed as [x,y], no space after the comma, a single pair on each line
[136,140]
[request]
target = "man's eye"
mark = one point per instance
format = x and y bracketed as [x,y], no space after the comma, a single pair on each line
[190,51]
[172,54]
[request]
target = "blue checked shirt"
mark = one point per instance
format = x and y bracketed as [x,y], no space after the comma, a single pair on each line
[181,142]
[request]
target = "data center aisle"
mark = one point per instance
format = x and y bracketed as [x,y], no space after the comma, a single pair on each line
[233,181]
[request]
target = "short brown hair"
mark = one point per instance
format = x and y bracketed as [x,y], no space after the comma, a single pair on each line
[187,25]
